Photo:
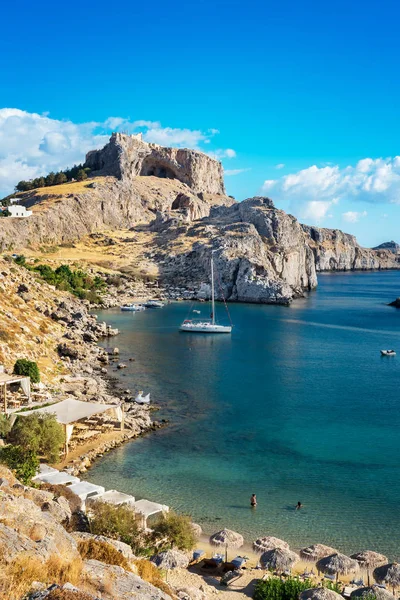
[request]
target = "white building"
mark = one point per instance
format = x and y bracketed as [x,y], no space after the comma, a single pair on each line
[19,211]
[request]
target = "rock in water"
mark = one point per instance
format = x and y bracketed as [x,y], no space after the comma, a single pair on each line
[395,303]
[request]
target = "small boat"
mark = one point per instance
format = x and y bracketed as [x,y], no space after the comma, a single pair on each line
[140,399]
[132,307]
[388,352]
[196,311]
[206,326]
[154,304]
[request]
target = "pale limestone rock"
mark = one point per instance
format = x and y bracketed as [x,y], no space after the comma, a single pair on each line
[115,582]
[335,250]
[127,156]
[28,520]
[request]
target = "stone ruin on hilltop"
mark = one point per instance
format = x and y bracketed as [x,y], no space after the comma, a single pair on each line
[127,156]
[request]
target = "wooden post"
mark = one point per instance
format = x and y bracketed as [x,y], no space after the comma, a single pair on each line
[66,442]
[5,398]
[122,418]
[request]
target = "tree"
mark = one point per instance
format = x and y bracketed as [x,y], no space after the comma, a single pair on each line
[24,186]
[40,182]
[50,178]
[24,463]
[60,178]
[5,213]
[27,368]
[115,522]
[39,433]
[175,531]
[81,175]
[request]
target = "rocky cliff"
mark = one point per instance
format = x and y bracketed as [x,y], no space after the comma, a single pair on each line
[392,246]
[337,251]
[68,212]
[38,548]
[127,156]
[260,254]
[177,197]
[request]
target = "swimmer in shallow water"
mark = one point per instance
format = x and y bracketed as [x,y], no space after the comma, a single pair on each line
[299,506]
[253,501]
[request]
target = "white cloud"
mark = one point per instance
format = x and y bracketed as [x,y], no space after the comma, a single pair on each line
[221,153]
[33,144]
[309,190]
[353,216]
[280,166]
[169,136]
[230,172]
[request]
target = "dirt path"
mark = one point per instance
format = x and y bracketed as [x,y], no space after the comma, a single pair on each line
[93,444]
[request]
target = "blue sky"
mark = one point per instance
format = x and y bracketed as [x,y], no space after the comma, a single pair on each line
[309,86]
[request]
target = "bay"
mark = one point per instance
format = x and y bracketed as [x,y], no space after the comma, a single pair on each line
[296,405]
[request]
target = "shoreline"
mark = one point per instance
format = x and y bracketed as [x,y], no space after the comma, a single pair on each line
[318,539]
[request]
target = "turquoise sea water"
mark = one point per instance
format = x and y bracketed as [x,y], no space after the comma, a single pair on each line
[297,404]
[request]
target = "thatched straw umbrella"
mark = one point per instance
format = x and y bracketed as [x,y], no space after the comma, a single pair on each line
[316,551]
[368,560]
[170,559]
[197,530]
[268,543]
[389,574]
[279,559]
[321,593]
[337,564]
[373,590]
[227,538]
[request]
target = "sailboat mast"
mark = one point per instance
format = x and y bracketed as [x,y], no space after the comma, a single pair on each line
[212,291]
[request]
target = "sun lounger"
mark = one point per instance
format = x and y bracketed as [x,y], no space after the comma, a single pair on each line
[197,555]
[347,591]
[238,562]
[330,577]
[357,582]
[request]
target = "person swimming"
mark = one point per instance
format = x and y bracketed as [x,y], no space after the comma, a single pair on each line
[253,501]
[299,506]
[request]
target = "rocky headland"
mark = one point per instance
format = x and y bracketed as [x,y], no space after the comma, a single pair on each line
[172,207]
[57,330]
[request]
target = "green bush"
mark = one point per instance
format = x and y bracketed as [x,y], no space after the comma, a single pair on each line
[281,589]
[39,433]
[116,522]
[24,463]
[174,531]
[63,278]
[5,425]
[27,368]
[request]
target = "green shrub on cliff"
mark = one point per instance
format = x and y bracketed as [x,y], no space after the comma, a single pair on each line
[117,523]
[5,425]
[64,278]
[39,433]
[174,531]
[24,463]
[27,368]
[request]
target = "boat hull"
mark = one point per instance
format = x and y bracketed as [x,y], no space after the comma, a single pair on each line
[204,328]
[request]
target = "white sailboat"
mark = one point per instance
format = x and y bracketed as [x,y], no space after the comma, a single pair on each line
[206,326]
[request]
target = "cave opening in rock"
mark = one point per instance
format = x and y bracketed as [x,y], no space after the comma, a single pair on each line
[156,169]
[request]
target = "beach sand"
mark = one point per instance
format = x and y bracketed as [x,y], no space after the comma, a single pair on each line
[240,589]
